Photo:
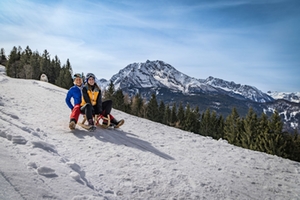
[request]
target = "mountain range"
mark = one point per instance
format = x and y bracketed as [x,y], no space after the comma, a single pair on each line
[172,86]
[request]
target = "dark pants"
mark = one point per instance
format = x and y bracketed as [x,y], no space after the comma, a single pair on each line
[90,110]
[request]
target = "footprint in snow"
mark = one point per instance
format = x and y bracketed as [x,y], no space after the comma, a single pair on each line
[43,145]
[79,175]
[31,165]
[47,172]
[18,140]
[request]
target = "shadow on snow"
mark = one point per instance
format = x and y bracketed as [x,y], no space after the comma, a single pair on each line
[120,137]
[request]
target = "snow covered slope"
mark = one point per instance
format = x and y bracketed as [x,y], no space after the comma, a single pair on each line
[42,159]
[2,69]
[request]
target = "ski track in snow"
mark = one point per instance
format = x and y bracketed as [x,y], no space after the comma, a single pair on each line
[42,159]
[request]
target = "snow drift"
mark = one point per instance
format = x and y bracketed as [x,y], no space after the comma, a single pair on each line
[42,159]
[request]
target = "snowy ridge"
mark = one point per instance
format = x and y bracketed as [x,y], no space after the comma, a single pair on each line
[290,96]
[158,74]
[249,92]
[42,159]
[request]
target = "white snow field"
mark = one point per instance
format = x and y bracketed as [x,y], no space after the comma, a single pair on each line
[40,158]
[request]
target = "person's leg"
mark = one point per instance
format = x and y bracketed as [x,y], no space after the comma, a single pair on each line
[106,107]
[87,110]
[74,116]
[75,113]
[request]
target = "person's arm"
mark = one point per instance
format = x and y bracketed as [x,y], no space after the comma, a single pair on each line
[68,99]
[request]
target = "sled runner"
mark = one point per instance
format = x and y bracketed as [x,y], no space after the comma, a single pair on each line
[100,121]
[87,127]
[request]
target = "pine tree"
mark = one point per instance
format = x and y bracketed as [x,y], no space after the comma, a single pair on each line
[11,65]
[111,90]
[25,62]
[205,123]
[180,116]
[56,67]
[272,140]
[250,132]
[191,119]
[167,115]
[127,103]
[196,125]
[118,102]
[18,65]
[232,128]
[161,112]
[3,58]
[263,125]
[152,109]
[137,106]
[275,123]
[65,79]
[220,127]
[45,63]
[35,65]
[293,146]
[213,131]
[173,118]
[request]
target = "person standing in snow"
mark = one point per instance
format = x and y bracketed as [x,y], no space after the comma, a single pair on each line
[92,102]
[75,93]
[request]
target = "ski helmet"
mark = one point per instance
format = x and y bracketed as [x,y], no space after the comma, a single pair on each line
[77,75]
[90,75]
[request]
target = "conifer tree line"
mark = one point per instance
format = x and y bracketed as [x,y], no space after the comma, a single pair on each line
[28,64]
[260,133]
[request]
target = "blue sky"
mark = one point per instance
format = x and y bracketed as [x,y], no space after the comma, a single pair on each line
[253,42]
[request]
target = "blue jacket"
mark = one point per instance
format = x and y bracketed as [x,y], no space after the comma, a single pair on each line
[75,93]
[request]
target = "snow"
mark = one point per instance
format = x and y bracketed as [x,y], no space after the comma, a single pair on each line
[290,96]
[2,69]
[42,159]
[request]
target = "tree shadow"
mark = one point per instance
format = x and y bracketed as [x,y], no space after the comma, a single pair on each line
[120,137]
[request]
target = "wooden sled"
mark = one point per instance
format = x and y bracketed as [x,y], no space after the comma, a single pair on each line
[99,119]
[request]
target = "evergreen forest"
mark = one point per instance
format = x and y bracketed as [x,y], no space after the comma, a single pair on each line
[28,64]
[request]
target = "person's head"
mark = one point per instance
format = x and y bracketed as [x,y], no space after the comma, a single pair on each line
[77,79]
[90,78]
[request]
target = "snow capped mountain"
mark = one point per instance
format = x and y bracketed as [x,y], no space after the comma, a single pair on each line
[42,159]
[158,74]
[290,96]
[249,92]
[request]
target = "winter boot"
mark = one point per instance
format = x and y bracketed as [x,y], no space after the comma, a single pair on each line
[72,124]
[116,123]
[91,122]
[92,127]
